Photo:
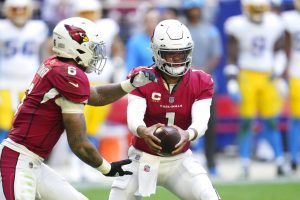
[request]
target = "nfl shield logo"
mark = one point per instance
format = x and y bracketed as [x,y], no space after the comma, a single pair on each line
[147,168]
[171,99]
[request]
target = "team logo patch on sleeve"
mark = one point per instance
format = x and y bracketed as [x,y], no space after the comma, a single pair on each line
[77,34]
[146,168]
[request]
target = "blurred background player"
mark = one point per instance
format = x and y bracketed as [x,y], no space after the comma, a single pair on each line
[290,19]
[169,13]
[138,50]
[22,43]
[52,11]
[206,56]
[178,97]
[255,61]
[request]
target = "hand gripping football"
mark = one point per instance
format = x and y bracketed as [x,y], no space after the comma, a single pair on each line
[169,137]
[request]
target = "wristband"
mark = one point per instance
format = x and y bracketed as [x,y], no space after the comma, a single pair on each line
[233,86]
[231,70]
[105,167]
[127,86]
[192,134]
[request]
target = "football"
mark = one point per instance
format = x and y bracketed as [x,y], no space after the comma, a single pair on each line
[169,137]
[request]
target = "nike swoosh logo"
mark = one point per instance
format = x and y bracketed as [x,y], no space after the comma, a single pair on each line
[74,84]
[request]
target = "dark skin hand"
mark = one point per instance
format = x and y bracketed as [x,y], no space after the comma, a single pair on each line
[147,134]
[183,140]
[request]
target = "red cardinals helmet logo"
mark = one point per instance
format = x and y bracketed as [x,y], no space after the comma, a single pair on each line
[77,34]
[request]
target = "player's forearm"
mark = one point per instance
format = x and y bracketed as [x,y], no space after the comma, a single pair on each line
[105,94]
[232,50]
[87,153]
[78,142]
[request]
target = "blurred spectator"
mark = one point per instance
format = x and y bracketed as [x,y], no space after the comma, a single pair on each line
[291,19]
[22,41]
[52,11]
[256,62]
[170,13]
[276,6]
[206,56]
[138,51]
[210,10]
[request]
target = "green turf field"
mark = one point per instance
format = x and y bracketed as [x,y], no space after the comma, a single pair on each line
[282,190]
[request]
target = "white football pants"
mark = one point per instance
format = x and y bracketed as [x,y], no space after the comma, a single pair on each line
[25,177]
[182,174]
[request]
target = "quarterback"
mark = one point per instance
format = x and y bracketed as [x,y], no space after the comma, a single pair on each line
[255,62]
[54,102]
[181,98]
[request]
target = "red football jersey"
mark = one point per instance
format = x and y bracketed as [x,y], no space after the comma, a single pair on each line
[175,107]
[38,123]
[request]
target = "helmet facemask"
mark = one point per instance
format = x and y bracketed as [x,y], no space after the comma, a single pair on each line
[175,62]
[255,13]
[98,59]
[255,9]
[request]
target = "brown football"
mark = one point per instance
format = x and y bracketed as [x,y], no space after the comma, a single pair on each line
[169,137]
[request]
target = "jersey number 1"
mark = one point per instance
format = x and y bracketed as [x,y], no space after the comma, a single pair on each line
[171,118]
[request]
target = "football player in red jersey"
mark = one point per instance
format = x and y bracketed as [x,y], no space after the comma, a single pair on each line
[182,98]
[53,103]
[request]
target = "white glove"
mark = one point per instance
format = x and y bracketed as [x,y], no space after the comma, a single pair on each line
[138,79]
[233,90]
[282,87]
[280,60]
[142,78]
[231,70]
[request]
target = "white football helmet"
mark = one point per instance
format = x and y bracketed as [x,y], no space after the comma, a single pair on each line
[79,39]
[18,11]
[172,47]
[254,9]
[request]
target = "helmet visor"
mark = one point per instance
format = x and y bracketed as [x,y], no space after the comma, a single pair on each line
[175,57]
